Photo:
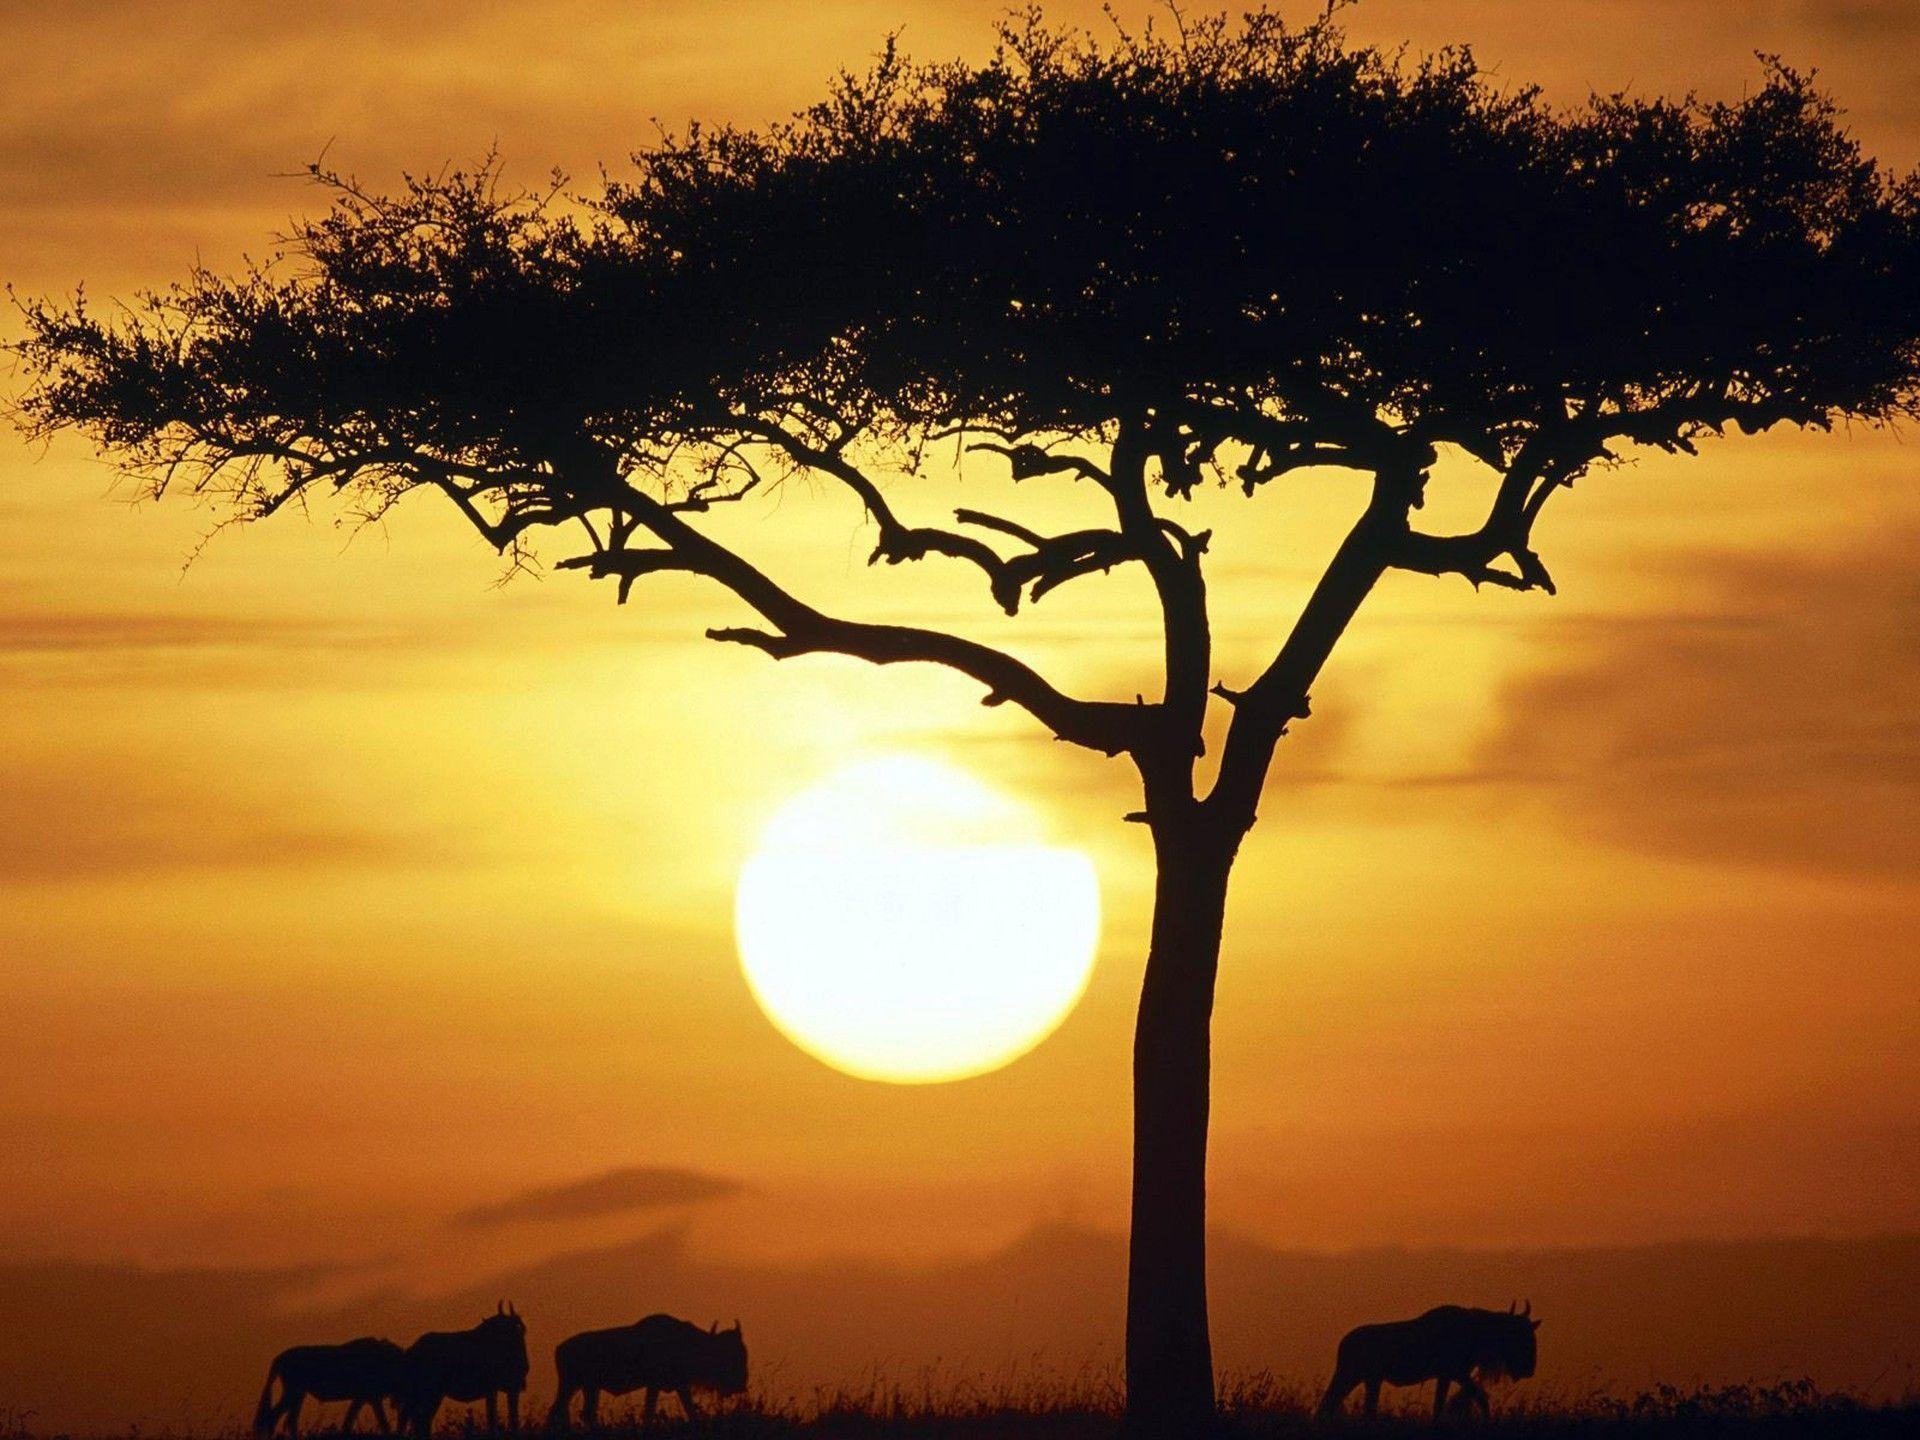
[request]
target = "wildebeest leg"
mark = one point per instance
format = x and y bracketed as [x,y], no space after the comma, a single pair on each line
[1373,1397]
[653,1404]
[590,1408]
[353,1413]
[294,1400]
[557,1416]
[513,1410]
[1440,1396]
[1338,1389]
[1476,1394]
[493,1414]
[686,1403]
[423,1416]
[380,1416]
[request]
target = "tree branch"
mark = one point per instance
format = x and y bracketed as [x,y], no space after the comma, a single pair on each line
[628,565]
[1051,563]
[1321,428]
[1053,559]
[1472,556]
[1029,461]
[1548,460]
[799,629]
[1262,712]
[1172,558]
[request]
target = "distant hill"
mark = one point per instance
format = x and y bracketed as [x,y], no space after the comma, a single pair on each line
[100,1348]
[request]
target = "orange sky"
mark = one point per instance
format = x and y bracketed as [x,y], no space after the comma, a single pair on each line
[342,890]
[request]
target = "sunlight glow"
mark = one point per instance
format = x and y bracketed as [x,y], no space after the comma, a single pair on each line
[901,921]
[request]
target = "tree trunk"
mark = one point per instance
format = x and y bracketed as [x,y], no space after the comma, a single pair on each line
[1169,1354]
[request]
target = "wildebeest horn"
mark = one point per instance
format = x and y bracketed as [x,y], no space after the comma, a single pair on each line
[714,1328]
[1512,1305]
[1527,1309]
[511,1311]
[501,1308]
[736,1324]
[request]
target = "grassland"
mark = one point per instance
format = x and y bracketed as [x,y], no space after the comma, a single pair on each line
[1253,1408]
[1258,1407]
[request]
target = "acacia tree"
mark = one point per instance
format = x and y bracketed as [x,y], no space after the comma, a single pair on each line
[1244,253]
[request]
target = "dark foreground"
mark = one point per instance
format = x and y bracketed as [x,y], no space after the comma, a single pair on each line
[1783,1412]
[1251,1410]
[1256,1409]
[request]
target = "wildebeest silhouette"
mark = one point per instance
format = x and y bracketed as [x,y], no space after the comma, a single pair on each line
[1447,1345]
[466,1365]
[364,1371]
[655,1354]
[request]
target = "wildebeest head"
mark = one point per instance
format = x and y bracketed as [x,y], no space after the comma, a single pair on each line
[504,1319]
[727,1359]
[506,1332]
[1513,1350]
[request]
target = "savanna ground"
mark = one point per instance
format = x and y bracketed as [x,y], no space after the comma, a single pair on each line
[1252,1407]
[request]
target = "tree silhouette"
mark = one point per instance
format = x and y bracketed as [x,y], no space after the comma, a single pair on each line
[1242,252]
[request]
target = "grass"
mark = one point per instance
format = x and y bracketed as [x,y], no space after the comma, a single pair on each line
[1255,1407]
[1261,1408]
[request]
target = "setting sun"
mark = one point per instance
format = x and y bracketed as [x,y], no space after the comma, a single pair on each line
[901,921]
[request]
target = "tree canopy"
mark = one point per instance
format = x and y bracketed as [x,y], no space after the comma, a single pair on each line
[1229,253]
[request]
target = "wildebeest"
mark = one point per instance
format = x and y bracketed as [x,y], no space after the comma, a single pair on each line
[467,1365]
[1446,1345]
[654,1354]
[364,1371]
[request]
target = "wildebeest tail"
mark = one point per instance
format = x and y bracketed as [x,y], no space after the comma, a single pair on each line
[263,1417]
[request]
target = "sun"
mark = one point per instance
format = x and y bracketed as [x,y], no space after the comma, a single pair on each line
[902,921]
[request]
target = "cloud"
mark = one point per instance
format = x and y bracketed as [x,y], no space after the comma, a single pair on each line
[59,650]
[101,824]
[208,112]
[1784,729]
[81,632]
[637,1187]
[1864,20]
